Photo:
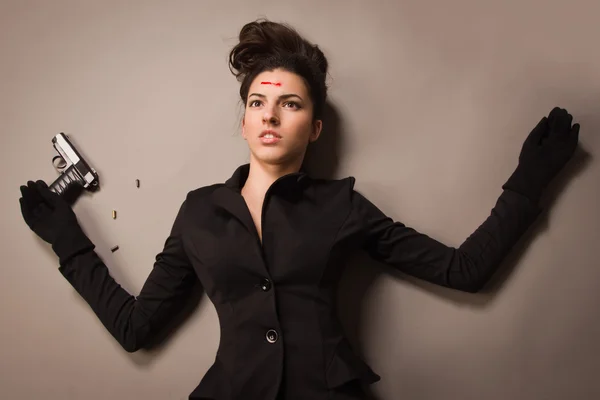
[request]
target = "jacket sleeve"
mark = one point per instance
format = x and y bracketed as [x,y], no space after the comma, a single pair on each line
[132,321]
[467,268]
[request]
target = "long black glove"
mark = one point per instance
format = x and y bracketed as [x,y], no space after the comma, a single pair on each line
[52,219]
[546,150]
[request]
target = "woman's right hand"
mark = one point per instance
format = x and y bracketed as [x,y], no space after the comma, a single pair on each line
[45,212]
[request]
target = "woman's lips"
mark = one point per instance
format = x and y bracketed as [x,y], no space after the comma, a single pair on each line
[269,140]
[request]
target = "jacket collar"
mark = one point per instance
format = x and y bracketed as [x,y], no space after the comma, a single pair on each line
[228,196]
[240,175]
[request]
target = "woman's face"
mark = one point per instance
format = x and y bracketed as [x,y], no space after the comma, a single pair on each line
[278,100]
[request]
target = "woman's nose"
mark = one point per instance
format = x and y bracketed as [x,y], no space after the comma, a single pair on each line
[271,119]
[270,116]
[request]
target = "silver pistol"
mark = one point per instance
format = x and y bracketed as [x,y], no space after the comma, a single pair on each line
[76,171]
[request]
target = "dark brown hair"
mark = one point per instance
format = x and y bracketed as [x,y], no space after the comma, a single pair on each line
[265,45]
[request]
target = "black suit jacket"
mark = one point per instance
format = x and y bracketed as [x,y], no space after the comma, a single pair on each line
[280,337]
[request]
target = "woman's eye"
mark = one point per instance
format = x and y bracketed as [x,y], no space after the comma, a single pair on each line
[296,105]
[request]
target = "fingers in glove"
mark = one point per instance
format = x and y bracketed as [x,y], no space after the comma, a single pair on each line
[573,138]
[575,132]
[25,194]
[34,195]
[560,123]
[536,135]
[572,135]
[25,210]
[53,199]
[27,202]
[556,113]
[31,197]
[33,206]
[43,202]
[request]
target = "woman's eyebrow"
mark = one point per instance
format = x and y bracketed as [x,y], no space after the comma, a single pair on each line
[283,96]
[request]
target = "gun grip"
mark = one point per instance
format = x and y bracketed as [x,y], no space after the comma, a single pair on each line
[69,178]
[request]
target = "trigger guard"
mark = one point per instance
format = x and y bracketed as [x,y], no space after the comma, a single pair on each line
[63,160]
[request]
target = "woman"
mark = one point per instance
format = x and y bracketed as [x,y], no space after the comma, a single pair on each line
[269,244]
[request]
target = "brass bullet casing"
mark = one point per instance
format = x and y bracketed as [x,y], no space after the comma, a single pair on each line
[114,214]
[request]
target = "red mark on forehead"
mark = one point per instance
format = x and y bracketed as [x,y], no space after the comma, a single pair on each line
[271,83]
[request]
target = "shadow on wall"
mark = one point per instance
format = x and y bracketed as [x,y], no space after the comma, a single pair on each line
[323,156]
[322,160]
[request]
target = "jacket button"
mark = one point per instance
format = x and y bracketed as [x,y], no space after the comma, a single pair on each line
[265,284]
[272,336]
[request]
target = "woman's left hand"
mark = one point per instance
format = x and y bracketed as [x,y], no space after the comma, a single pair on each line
[549,146]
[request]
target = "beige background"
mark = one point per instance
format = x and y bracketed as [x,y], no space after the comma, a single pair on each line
[431,102]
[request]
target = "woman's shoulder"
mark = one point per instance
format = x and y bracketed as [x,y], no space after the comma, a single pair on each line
[202,193]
